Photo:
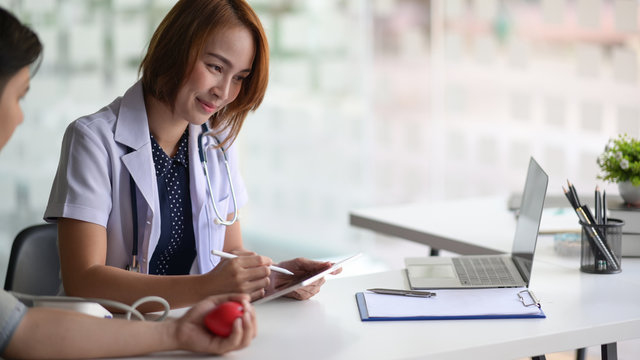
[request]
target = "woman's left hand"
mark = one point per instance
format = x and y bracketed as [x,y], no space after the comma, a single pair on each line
[301,267]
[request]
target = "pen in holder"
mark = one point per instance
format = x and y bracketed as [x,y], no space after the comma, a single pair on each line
[601,247]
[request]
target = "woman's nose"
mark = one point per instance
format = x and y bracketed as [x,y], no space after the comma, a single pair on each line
[221,88]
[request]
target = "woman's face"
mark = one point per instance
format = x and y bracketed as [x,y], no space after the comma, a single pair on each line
[217,75]
[10,111]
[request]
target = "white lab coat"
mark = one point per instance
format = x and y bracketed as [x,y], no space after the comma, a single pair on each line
[93,183]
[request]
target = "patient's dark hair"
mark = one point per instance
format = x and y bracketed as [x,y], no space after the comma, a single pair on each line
[19,47]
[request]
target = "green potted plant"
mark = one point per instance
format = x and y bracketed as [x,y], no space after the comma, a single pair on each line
[620,163]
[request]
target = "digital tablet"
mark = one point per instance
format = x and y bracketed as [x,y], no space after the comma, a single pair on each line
[302,280]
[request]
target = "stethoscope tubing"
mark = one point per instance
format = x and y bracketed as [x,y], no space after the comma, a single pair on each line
[219,220]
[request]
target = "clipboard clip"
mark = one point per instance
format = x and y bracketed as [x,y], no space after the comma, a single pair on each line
[531,300]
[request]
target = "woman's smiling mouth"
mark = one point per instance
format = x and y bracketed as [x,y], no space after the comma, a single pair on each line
[208,107]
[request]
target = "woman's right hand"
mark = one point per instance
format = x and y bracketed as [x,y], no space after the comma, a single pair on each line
[248,274]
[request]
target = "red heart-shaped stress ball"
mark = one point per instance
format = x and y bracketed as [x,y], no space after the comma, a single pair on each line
[220,320]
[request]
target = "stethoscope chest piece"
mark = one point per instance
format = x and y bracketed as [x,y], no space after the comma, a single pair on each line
[135,265]
[133,268]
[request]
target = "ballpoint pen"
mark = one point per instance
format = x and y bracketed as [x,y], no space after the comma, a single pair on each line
[225,255]
[414,293]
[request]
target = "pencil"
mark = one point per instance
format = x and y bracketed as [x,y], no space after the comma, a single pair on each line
[598,206]
[574,193]
[570,198]
[604,206]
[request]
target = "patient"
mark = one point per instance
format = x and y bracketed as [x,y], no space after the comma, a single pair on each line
[51,333]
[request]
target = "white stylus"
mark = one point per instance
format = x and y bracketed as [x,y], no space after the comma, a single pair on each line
[225,255]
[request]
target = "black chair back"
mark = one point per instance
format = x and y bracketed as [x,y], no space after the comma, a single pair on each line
[34,263]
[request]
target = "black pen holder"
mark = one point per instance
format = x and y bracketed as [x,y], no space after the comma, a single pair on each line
[601,247]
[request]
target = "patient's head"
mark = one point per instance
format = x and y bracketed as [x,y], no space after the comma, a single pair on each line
[19,49]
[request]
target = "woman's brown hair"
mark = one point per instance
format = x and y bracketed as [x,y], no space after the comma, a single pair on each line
[180,39]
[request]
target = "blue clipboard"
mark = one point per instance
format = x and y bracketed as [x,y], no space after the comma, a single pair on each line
[365,316]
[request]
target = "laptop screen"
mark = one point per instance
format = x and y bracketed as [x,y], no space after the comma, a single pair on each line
[529,216]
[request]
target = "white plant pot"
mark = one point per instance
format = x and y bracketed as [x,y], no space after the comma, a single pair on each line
[629,193]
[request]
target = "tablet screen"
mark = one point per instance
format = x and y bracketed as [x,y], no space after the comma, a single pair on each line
[298,281]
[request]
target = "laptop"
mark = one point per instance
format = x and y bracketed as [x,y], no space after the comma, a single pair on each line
[489,271]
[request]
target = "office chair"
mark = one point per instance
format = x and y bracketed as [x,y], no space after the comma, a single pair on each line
[34,263]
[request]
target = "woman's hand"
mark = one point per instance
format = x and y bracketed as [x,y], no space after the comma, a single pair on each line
[301,267]
[192,335]
[248,273]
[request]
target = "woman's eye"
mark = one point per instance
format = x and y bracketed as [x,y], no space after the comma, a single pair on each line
[214,67]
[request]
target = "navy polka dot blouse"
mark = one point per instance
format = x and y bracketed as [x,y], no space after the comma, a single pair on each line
[176,248]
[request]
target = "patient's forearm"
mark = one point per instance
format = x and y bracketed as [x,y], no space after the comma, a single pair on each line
[58,334]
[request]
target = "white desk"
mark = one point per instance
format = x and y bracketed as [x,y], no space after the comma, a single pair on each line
[470,227]
[582,310]
[474,226]
[485,226]
[471,232]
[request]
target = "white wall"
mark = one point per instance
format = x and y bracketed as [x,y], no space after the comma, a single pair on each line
[370,102]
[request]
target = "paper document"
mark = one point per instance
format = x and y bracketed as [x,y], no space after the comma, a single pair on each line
[559,221]
[451,304]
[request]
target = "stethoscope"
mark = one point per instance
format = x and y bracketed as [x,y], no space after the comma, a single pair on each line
[202,152]
[219,220]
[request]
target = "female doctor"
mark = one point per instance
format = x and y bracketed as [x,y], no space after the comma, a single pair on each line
[130,196]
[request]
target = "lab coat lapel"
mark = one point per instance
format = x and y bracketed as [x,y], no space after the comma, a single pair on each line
[199,200]
[132,130]
[137,164]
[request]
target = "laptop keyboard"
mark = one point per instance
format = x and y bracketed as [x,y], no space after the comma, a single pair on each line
[482,271]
